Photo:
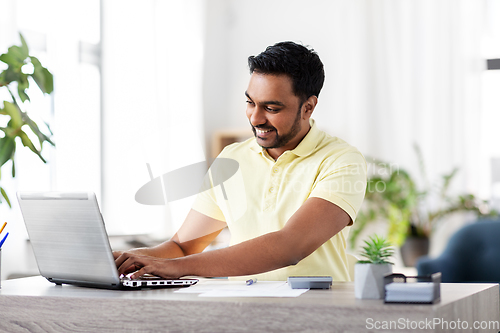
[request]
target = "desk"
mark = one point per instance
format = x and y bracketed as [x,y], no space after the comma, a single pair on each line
[35,305]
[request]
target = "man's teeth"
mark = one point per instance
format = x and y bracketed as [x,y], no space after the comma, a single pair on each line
[261,131]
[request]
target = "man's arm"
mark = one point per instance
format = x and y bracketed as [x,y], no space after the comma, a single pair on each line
[195,234]
[312,225]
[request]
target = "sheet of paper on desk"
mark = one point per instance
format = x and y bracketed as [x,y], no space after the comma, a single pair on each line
[218,288]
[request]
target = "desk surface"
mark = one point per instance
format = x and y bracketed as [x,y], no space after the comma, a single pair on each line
[35,305]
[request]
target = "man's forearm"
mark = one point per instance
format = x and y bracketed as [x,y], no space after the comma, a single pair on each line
[265,253]
[258,255]
[168,249]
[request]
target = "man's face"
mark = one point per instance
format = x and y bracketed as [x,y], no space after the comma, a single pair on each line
[279,120]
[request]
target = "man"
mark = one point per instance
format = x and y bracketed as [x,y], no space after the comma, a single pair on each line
[296,191]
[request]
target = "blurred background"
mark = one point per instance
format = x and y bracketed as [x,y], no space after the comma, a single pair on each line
[162,82]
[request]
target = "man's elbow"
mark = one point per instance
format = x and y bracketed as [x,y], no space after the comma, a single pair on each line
[294,262]
[294,254]
[290,250]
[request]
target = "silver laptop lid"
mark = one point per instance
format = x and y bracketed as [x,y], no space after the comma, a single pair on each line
[68,237]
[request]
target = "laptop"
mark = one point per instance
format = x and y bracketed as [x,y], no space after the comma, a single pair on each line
[70,243]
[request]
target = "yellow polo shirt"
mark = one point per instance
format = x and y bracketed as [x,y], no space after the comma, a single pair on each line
[264,194]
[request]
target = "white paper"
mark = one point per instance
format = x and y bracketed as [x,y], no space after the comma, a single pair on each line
[410,292]
[218,288]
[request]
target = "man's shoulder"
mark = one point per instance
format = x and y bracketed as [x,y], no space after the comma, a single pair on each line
[335,147]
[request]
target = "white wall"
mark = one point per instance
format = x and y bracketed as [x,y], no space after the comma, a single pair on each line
[397,72]
[337,30]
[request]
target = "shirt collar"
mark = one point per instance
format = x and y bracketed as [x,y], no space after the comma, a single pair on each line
[304,148]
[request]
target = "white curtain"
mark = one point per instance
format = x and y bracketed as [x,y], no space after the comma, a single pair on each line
[152,59]
[425,81]
[426,70]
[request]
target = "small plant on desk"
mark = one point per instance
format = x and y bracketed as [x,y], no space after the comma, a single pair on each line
[369,273]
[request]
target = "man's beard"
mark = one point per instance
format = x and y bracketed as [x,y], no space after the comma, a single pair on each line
[281,140]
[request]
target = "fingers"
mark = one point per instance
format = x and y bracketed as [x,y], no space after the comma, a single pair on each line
[129,262]
[116,254]
[139,273]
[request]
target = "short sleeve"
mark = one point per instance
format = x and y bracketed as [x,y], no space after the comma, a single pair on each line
[343,183]
[206,204]
[206,201]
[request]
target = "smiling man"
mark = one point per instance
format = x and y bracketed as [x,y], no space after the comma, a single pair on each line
[297,191]
[284,112]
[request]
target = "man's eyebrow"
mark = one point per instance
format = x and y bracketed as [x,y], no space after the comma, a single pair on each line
[267,102]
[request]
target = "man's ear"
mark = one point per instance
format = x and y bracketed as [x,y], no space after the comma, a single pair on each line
[309,106]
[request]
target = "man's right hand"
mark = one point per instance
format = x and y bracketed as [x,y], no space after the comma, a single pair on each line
[140,251]
[116,254]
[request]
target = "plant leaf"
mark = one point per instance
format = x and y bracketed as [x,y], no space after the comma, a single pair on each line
[22,86]
[48,127]
[4,194]
[7,148]
[43,78]
[24,47]
[27,143]
[377,250]
[14,57]
[9,58]
[14,113]
[34,127]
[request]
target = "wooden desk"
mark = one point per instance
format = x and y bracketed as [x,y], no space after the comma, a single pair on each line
[35,305]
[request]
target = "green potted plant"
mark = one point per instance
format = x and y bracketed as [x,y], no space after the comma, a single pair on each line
[392,196]
[369,273]
[22,70]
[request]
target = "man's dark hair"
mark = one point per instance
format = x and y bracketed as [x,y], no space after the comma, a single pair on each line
[302,65]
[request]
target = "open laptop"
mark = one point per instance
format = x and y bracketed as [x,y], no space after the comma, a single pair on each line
[70,243]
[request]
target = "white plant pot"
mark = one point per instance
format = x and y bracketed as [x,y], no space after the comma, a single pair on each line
[369,280]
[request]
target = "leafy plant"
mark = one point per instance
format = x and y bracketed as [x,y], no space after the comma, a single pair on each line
[16,80]
[377,250]
[393,196]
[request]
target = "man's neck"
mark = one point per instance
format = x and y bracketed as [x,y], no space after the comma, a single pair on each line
[275,153]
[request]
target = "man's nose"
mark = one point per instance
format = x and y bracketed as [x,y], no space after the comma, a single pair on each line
[258,116]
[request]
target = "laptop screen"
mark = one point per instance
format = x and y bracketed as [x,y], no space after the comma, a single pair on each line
[68,237]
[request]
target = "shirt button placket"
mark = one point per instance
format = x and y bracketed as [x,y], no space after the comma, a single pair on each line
[273,188]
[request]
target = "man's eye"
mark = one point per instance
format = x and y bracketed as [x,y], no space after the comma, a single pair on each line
[250,102]
[271,109]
